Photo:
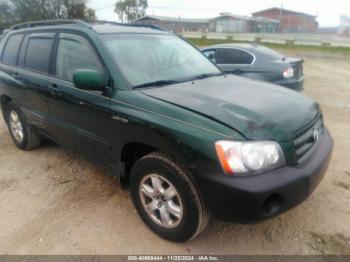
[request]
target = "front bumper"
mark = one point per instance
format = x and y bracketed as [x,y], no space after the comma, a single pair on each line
[254,198]
[295,84]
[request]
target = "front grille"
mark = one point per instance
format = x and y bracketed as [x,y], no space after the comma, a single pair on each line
[305,139]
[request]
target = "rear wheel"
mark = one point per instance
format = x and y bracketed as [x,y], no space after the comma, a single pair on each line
[22,134]
[167,199]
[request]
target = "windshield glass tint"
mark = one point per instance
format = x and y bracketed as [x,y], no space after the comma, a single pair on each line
[147,58]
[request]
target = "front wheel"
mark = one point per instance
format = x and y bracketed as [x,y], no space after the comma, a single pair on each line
[167,199]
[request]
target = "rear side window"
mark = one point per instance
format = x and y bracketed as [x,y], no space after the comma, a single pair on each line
[233,56]
[75,53]
[11,50]
[246,58]
[38,53]
[210,53]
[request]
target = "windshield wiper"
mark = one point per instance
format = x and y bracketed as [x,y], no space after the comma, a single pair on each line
[170,82]
[157,83]
[203,76]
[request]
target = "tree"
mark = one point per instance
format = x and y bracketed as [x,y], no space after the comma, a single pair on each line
[5,11]
[131,9]
[76,9]
[24,10]
[6,14]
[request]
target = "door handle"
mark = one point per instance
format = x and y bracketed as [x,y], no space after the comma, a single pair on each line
[16,75]
[54,86]
[54,90]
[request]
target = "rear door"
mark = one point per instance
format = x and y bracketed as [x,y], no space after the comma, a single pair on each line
[9,56]
[234,61]
[79,119]
[28,70]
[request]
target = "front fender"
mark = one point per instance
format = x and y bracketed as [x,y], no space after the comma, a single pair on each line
[183,135]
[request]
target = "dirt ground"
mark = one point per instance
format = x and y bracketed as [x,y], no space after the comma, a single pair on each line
[53,201]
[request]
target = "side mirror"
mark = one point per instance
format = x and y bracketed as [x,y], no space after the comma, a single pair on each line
[87,79]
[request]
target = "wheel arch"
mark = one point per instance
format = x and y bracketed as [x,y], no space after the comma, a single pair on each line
[132,151]
[4,100]
[129,154]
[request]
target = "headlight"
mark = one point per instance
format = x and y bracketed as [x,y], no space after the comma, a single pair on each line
[243,157]
[288,73]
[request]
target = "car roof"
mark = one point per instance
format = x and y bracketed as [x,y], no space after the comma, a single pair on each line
[244,46]
[114,28]
[100,27]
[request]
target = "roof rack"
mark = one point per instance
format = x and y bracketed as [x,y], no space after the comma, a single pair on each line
[77,22]
[151,26]
[120,24]
[49,22]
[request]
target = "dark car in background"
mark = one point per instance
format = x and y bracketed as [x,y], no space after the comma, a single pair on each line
[258,63]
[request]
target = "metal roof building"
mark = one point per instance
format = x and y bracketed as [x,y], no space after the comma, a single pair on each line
[230,23]
[176,24]
[224,23]
[290,21]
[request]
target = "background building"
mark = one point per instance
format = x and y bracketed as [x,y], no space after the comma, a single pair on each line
[264,25]
[176,24]
[290,21]
[225,23]
[344,28]
[229,23]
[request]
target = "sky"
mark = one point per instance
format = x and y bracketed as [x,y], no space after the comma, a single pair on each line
[328,12]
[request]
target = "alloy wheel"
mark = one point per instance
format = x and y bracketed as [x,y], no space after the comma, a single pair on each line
[161,201]
[16,126]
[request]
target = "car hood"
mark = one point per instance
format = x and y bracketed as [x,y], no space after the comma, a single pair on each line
[257,110]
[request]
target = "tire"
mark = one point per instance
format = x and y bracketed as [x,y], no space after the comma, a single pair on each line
[186,209]
[29,139]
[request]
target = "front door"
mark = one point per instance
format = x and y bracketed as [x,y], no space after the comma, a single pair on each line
[79,119]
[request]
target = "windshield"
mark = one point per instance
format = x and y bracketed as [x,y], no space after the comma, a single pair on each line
[148,58]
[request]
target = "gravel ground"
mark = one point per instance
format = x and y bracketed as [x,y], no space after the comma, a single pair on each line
[54,201]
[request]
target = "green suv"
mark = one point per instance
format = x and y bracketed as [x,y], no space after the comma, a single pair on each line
[187,139]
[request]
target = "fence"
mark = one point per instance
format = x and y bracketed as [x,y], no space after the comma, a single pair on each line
[297,39]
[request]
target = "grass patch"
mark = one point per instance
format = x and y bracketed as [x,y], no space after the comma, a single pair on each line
[200,42]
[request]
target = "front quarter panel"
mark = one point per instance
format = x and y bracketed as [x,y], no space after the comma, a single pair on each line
[184,135]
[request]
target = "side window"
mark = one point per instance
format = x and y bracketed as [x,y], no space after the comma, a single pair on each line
[233,56]
[73,54]
[10,54]
[226,56]
[246,58]
[38,53]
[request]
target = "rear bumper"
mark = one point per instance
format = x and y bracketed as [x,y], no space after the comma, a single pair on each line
[255,198]
[295,84]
